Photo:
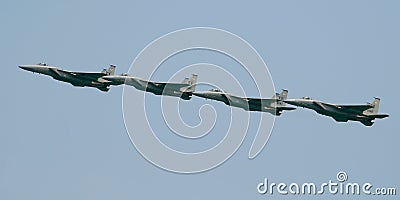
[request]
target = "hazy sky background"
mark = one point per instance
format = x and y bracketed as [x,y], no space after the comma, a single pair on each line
[62,142]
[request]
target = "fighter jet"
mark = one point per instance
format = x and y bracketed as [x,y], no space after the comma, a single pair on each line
[275,105]
[365,114]
[79,79]
[183,90]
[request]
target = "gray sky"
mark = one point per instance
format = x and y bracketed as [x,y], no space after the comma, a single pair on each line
[62,142]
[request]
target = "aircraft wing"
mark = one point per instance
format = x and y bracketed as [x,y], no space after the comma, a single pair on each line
[357,109]
[174,86]
[88,75]
[354,108]
[257,101]
[324,106]
[55,71]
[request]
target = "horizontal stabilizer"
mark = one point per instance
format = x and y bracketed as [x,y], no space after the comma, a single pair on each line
[104,89]
[286,108]
[367,123]
[340,119]
[379,116]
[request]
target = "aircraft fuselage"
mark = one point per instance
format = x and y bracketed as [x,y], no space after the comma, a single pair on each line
[68,77]
[331,110]
[235,101]
[169,89]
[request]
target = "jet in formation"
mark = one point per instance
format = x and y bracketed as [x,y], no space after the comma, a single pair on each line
[366,114]
[183,90]
[79,79]
[275,105]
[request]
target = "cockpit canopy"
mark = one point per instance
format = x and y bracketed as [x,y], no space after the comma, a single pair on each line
[306,98]
[42,64]
[124,74]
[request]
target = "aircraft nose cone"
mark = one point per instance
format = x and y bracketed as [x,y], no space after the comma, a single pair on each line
[199,94]
[28,68]
[288,101]
[23,67]
[292,102]
[108,78]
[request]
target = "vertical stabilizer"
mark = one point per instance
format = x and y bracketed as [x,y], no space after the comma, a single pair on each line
[284,94]
[192,82]
[375,107]
[186,81]
[187,90]
[193,79]
[281,97]
[111,70]
[375,103]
